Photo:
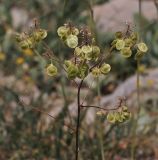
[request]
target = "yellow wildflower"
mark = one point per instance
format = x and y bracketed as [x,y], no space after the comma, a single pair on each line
[28,52]
[2,56]
[19,60]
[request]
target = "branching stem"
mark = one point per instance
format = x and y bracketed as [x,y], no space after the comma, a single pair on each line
[98,107]
[78,119]
[135,119]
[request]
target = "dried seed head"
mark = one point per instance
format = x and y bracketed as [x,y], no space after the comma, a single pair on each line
[105,68]
[72,41]
[51,70]
[120,44]
[142,47]
[62,31]
[126,52]
[72,71]
[111,117]
[96,72]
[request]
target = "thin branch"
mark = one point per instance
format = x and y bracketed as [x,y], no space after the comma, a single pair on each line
[55,59]
[98,107]
[78,119]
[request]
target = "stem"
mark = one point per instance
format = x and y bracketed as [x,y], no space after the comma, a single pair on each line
[100,130]
[98,107]
[135,120]
[78,119]
[138,86]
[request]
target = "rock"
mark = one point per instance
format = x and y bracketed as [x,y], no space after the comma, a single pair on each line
[112,16]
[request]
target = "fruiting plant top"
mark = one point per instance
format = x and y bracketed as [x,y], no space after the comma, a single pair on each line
[87,56]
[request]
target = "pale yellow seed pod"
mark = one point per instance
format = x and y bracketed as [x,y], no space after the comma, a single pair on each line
[72,41]
[72,71]
[96,49]
[126,52]
[142,47]
[96,72]
[124,108]
[27,43]
[88,56]
[51,70]
[134,37]
[118,34]
[95,52]
[118,117]
[24,44]
[43,33]
[128,42]
[105,68]
[39,34]
[83,71]
[62,31]
[139,55]
[126,115]
[75,31]
[77,51]
[18,37]
[68,63]
[114,42]
[111,118]
[86,49]
[120,44]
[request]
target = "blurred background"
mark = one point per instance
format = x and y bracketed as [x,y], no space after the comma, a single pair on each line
[26,133]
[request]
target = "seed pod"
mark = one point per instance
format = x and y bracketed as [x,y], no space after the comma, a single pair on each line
[75,31]
[114,42]
[111,118]
[126,52]
[96,72]
[93,41]
[88,56]
[19,60]
[120,44]
[72,71]
[128,42]
[127,115]
[18,37]
[77,51]
[95,52]
[124,108]
[123,116]
[24,44]
[118,35]
[51,70]
[83,71]
[105,68]
[67,63]
[139,55]
[39,34]
[27,43]
[118,117]
[72,41]
[86,49]
[134,37]
[142,47]
[62,31]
